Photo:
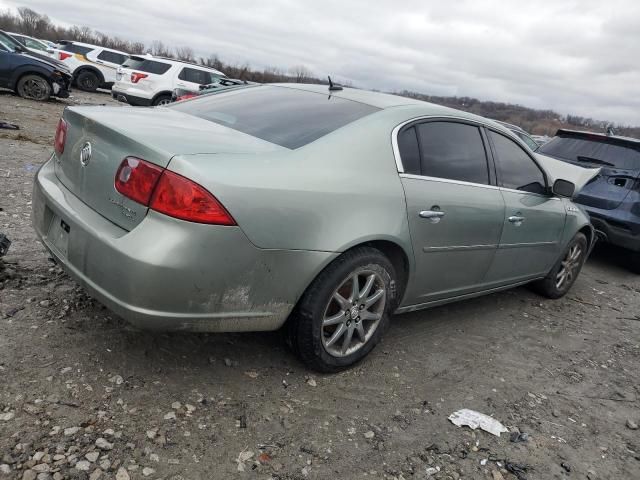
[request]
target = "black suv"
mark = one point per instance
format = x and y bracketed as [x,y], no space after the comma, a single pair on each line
[612,199]
[29,75]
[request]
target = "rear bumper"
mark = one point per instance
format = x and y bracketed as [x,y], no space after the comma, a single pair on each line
[615,232]
[133,100]
[167,274]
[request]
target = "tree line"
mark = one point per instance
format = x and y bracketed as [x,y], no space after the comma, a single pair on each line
[542,122]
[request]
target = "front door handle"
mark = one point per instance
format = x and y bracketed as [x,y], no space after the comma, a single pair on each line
[517,219]
[434,216]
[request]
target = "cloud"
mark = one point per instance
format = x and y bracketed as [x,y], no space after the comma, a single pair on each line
[572,56]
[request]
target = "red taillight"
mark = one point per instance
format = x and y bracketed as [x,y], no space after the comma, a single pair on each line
[169,193]
[136,179]
[136,77]
[61,137]
[63,55]
[181,198]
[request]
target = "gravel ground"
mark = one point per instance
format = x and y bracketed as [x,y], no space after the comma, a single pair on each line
[84,395]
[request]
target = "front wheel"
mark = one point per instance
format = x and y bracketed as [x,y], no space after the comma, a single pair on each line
[34,87]
[565,272]
[344,312]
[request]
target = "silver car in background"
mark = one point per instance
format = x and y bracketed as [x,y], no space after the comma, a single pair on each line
[321,210]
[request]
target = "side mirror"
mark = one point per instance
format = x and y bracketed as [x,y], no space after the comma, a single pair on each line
[563,188]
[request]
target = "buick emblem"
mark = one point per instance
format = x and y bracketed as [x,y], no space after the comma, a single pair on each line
[85,154]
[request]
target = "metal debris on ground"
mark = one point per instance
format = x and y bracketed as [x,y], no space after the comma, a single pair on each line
[4,245]
[517,437]
[9,126]
[473,420]
[518,469]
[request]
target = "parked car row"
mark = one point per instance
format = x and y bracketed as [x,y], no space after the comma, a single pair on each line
[31,74]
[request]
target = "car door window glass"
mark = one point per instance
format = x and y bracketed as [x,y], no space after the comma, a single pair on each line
[195,76]
[409,150]
[517,169]
[454,151]
[528,140]
[112,57]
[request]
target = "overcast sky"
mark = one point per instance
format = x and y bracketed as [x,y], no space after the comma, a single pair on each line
[580,57]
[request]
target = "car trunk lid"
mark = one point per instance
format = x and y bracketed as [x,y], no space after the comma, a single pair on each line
[110,134]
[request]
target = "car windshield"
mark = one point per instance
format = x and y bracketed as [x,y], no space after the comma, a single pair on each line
[287,117]
[9,42]
[593,151]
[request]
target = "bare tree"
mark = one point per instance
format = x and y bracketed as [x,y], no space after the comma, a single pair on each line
[300,73]
[158,49]
[185,54]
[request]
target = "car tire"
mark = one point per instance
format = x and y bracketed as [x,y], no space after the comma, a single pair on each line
[161,100]
[34,87]
[329,305]
[88,81]
[566,270]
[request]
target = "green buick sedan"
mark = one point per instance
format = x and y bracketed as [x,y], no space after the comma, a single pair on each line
[321,210]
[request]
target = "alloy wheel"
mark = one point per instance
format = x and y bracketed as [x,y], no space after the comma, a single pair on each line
[569,266]
[164,101]
[353,313]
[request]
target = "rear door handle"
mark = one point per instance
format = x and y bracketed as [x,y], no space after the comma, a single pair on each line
[516,219]
[434,216]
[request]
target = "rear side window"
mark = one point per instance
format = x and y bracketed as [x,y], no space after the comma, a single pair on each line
[409,150]
[454,151]
[195,76]
[594,152]
[70,47]
[112,57]
[147,66]
[517,170]
[285,116]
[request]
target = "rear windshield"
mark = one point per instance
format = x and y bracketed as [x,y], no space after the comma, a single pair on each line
[593,152]
[287,117]
[70,47]
[147,66]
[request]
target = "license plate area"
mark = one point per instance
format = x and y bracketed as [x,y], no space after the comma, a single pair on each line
[58,235]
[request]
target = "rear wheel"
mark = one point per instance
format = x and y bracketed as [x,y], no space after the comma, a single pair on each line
[162,100]
[88,81]
[565,272]
[344,312]
[34,87]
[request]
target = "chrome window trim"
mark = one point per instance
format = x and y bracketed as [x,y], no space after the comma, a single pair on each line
[448,180]
[400,167]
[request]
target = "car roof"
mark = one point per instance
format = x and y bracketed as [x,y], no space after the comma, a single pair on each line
[598,136]
[82,44]
[387,100]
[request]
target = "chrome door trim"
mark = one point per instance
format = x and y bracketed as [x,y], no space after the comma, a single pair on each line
[447,180]
[531,244]
[455,248]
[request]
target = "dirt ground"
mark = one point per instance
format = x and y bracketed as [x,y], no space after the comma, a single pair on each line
[84,395]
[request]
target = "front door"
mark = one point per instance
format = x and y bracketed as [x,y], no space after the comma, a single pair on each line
[534,220]
[455,214]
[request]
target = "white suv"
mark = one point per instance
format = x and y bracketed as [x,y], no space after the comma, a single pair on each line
[92,66]
[148,80]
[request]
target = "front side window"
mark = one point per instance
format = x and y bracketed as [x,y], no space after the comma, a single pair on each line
[517,170]
[454,151]
[531,143]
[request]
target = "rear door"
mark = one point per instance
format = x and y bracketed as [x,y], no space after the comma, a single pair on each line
[109,62]
[534,220]
[455,213]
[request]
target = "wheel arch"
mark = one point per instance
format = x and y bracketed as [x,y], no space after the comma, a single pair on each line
[21,72]
[160,94]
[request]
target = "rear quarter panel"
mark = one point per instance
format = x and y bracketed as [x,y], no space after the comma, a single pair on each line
[329,195]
